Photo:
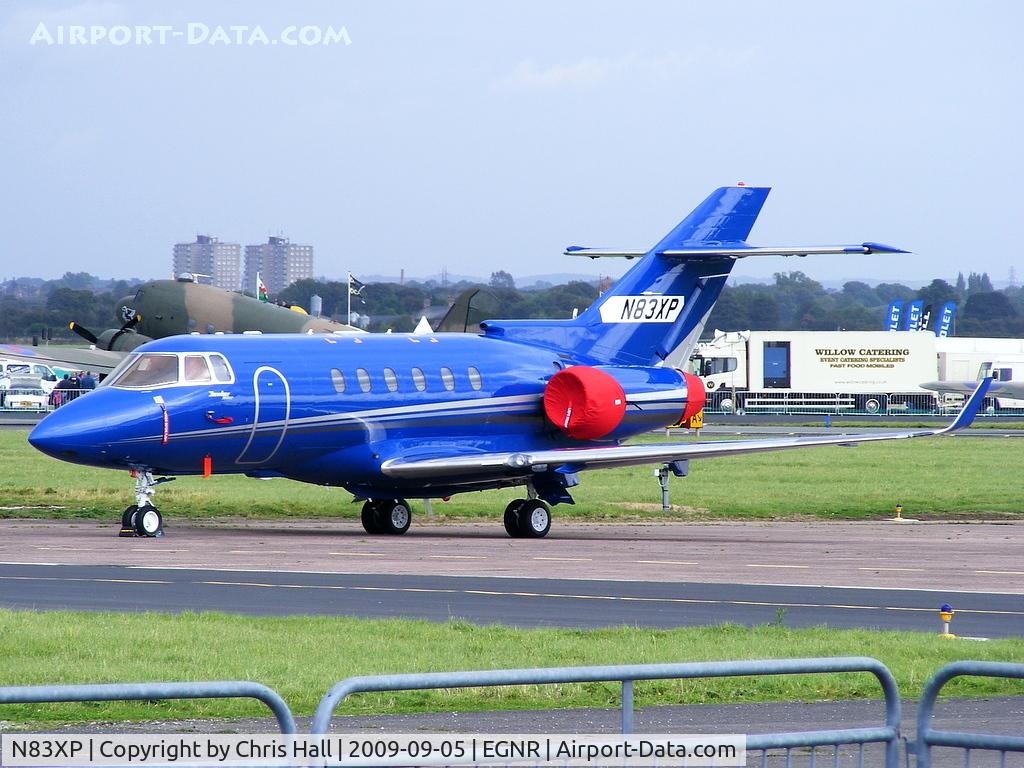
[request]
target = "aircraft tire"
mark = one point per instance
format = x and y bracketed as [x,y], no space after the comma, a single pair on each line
[149,522]
[371,518]
[395,517]
[534,519]
[128,521]
[512,518]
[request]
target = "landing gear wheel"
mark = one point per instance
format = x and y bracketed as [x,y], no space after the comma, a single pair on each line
[149,522]
[128,522]
[371,518]
[512,518]
[395,517]
[534,519]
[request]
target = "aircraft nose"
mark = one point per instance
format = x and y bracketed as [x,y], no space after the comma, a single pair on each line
[73,432]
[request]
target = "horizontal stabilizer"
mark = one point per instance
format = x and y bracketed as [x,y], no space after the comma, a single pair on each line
[737,251]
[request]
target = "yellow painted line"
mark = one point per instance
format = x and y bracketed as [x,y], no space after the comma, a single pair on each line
[668,562]
[880,568]
[763,565]
[1004,573]
[565,559]
[457,557]
[617,598]
[358,554]
[66,578]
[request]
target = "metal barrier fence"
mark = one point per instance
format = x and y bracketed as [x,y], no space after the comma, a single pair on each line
[928,737]
[226,689]
[31,400]
[887,734]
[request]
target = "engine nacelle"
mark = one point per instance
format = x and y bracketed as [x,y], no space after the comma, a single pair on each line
[612,402]
[585,403]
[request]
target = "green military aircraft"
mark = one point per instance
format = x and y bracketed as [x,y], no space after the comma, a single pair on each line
[171,307]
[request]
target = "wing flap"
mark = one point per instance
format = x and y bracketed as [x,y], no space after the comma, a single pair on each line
[523,464]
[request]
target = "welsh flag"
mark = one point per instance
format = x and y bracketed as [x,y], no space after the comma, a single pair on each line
[261,289]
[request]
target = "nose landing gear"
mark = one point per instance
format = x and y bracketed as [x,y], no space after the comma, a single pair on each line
[142,518]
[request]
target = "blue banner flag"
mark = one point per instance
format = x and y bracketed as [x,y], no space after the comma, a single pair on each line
[913,318]
[945,323]
[892,321]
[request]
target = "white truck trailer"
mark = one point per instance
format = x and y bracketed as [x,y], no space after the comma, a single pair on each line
[871,371]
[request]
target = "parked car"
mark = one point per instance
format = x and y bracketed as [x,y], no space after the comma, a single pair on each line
[25,393]
[44,373]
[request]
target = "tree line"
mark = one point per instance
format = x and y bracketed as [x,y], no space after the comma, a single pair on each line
[793,301]
[796,302]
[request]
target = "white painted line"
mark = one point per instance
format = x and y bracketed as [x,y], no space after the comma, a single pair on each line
[1004,573]
[762,565]
[257,552]
[668,562]
[344,554]
[880,568]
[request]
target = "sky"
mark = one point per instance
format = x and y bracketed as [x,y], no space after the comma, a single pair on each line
[489,136]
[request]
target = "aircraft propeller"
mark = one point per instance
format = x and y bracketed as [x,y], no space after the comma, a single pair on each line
[121,339]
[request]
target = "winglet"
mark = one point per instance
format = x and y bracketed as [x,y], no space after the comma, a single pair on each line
[882,248]
[971,407]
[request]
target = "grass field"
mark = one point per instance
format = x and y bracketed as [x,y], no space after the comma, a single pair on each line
[302,657]
[933,479]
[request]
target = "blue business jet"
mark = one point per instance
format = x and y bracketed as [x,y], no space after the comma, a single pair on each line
[392,417]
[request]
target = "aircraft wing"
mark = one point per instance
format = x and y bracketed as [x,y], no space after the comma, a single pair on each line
[1011,389]
[98,360]
[576,459]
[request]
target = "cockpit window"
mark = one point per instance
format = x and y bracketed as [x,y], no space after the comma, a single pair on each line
[150,370]
[221,370]
[163,369]
[197,371]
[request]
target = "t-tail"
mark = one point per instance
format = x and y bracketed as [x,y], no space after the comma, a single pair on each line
[661,304]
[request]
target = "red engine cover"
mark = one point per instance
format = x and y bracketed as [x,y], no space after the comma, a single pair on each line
[695,396]
[583,402]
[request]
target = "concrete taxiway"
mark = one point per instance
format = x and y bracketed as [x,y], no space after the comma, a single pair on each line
[885,575]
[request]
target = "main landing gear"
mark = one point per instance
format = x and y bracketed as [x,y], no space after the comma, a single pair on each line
[142,518]
[527,519]
[386,516]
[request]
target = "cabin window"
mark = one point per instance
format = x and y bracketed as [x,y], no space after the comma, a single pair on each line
[474,378]
[419,380]
[197,370]
[448,378]
[150,370]
[338,380]
[390,380]
[221,369]
[364,379]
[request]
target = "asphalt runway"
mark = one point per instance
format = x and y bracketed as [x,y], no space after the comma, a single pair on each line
[522,602]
